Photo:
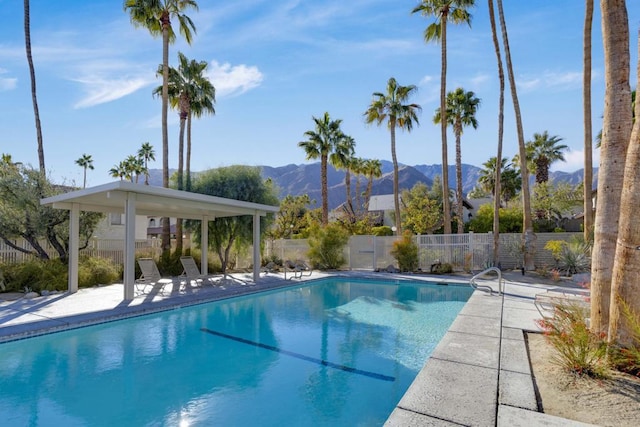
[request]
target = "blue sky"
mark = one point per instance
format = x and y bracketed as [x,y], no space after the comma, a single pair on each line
[275,64]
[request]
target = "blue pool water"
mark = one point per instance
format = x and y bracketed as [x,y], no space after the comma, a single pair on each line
[330,353]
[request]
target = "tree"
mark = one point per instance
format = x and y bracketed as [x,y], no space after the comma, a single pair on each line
[391,107]
[291,219]
[321,142]
[554,203]
[202,104]
[146,153]
[528,236]
[185,84]
[588,135]
[510,220]
[542,152]
[155,16]
[616,133]
[498,172]
[119,171]
[22,215]
[233,182]
[444,11]
[133,168]
[510,180]
[461,111]
[342,158]
[372,168]
[32,75]
[625,286]
[420,214]
[85,162]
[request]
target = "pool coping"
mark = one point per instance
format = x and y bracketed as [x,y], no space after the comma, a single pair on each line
[479,374]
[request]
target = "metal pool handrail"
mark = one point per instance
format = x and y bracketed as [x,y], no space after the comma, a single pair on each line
[474,285]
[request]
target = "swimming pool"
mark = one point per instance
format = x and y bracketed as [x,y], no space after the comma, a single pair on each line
[333,352]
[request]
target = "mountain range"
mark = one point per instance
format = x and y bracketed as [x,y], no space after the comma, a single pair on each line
[301,179]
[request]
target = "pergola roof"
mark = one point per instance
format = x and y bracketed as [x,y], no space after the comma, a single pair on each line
[154,201]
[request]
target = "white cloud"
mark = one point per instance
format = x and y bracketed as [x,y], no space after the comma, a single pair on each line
[234,80]
[479,80]
[425,81]
[548,79]
[99,90]
[7,83]
[574,160]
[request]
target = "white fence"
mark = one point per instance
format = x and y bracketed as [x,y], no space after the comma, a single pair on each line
[111,249]
[462,251]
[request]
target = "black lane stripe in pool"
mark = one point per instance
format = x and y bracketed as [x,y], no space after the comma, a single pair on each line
[302,356]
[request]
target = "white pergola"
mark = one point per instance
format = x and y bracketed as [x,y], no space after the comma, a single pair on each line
[137,199]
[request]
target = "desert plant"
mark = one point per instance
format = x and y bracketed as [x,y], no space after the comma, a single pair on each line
[627,359]
[575,257]
[555,247]
[444,268]
[405,251]
[97,271]
[577,349]
[326,246]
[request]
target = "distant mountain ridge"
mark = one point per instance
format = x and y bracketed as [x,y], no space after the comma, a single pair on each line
[301,179]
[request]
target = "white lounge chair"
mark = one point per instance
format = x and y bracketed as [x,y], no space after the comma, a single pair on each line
[191,270]
[546,302]
[150,275]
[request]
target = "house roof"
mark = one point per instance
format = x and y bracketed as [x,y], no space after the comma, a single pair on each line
[155,201]
[381,202]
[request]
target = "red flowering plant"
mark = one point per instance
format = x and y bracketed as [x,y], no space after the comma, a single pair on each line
[627,358]
[577,349]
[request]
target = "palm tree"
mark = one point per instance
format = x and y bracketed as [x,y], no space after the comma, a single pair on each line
[528,236]
[85,162]
[372,168]
[146,153]
[155,16]
[321,143]
[34,98]
[186,85]
[134,167]
[202,104]
[342,158]
[119,171]
[461,111]
[510,180]
[454,11]
[542,151]
[498,172]
[616,134]
[390,107]
[588,131]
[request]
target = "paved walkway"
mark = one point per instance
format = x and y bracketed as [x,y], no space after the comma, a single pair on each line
[479,375]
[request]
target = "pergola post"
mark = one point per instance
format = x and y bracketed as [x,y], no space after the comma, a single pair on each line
[129,245]
[74,246]
[204,245]
[256,246]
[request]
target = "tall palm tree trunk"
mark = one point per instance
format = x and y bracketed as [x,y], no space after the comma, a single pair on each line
[183,120]
[588,137]
[347,182]
[188,159]
[616,132]
[443,128]
[625,286]
[32,75]
[498,172]
[528,237]
[166,227]
[325,195]
[396,191]
[459,184]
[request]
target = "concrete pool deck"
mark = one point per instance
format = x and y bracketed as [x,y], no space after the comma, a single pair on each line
[479,374]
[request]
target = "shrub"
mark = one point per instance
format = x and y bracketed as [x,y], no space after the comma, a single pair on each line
[575,257]
[405,251]
[383,230]
[577,348]
[326,246]
[37,275]
[444,268]
[627,358]
[97,271]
